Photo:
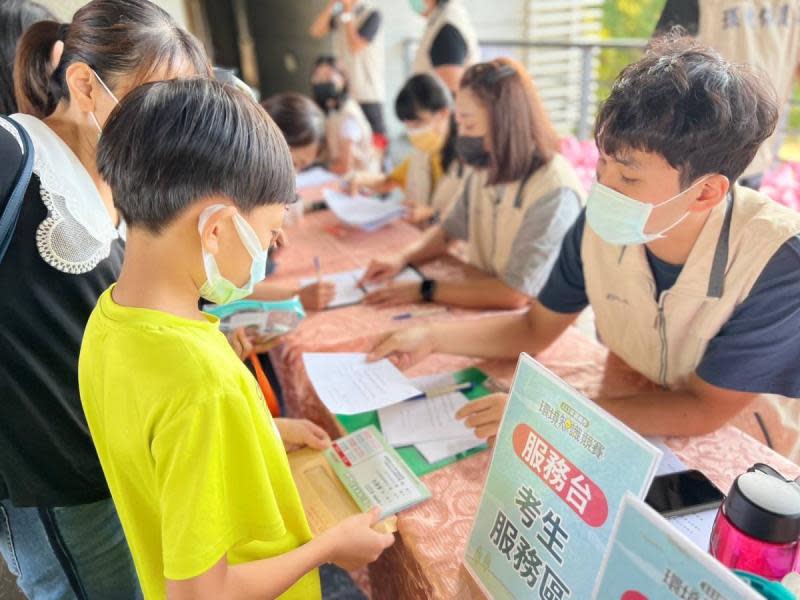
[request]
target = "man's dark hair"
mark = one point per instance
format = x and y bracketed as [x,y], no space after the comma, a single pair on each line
[300,120]
[686,103]
[171,143]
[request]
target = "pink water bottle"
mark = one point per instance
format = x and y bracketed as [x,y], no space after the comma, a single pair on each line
[758,526]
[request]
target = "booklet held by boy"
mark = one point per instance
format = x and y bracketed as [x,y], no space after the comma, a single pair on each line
[356,473]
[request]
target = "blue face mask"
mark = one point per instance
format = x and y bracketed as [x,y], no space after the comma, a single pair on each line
[218,289]
[620,220]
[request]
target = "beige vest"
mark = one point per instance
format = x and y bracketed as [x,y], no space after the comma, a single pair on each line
[419,177]
[496,212]
[449,187]
[363,150]
[365,69]
[452,13]
[665,338]
[761,33]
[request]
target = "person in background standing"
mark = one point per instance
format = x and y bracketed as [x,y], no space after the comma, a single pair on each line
[356,31]
[449,44]
[348,135]
[15,17]
[761,33]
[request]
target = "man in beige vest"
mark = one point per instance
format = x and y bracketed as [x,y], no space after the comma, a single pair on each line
[695,282]
[356,33]
[761,33]
[449,44]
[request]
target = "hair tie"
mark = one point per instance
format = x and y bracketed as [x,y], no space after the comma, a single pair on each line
[500,73]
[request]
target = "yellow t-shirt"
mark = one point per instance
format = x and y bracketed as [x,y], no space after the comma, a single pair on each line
[192,457]
[400,173]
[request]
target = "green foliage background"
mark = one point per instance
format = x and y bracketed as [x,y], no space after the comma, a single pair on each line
[637,19]
[624,19]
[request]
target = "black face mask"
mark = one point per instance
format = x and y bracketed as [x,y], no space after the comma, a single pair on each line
[472,151]
[325,92]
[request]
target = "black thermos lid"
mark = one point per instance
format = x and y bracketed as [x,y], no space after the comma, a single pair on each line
[765,506]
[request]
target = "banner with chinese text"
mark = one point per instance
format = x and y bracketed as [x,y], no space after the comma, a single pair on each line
[560,469]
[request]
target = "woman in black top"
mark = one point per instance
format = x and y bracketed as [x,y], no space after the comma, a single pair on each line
[59,533]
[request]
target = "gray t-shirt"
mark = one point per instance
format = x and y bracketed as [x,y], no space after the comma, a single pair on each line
[538,241]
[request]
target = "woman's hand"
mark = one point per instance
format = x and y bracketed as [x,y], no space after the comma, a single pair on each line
[394,294]
[299,433]
[317,295]
[383,269]
[418,214]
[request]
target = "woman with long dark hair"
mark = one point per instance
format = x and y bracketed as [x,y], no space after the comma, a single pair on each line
[59,531]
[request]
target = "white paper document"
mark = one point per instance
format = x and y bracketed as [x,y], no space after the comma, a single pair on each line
[315,177]
[407,275]
[436,451]
[365,213]
[669,462]
[425,420]
[347,289]
[696,527]
[429,424]
[347,384]
[349,292]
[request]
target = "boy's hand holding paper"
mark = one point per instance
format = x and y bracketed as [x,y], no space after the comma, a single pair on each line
[299,433]
[354,542]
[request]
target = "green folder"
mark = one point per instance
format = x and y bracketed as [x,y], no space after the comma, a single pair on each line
[410,454]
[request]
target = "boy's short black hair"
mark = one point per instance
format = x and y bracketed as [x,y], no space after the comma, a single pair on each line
[686,103]
[171,143]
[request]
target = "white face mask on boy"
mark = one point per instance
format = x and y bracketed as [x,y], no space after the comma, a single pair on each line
[217,288]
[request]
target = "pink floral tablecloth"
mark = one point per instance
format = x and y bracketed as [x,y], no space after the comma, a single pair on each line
[352,328]
[426,561]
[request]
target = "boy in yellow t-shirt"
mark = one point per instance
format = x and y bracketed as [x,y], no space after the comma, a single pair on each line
[196,466]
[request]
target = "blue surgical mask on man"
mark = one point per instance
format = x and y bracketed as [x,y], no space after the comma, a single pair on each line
[217,288]
[621,220]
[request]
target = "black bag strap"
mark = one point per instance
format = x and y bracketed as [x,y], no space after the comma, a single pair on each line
[10,215]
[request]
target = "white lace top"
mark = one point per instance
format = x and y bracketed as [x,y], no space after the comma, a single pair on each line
[78,231]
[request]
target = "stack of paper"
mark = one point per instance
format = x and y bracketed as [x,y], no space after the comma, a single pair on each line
[362,212]
[349,292]
[429,424]
[315,177]
[347,384]
[347,289]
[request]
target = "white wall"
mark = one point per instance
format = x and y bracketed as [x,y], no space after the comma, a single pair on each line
[500,19]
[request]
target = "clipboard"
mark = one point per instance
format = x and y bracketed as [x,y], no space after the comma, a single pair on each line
[481,386]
